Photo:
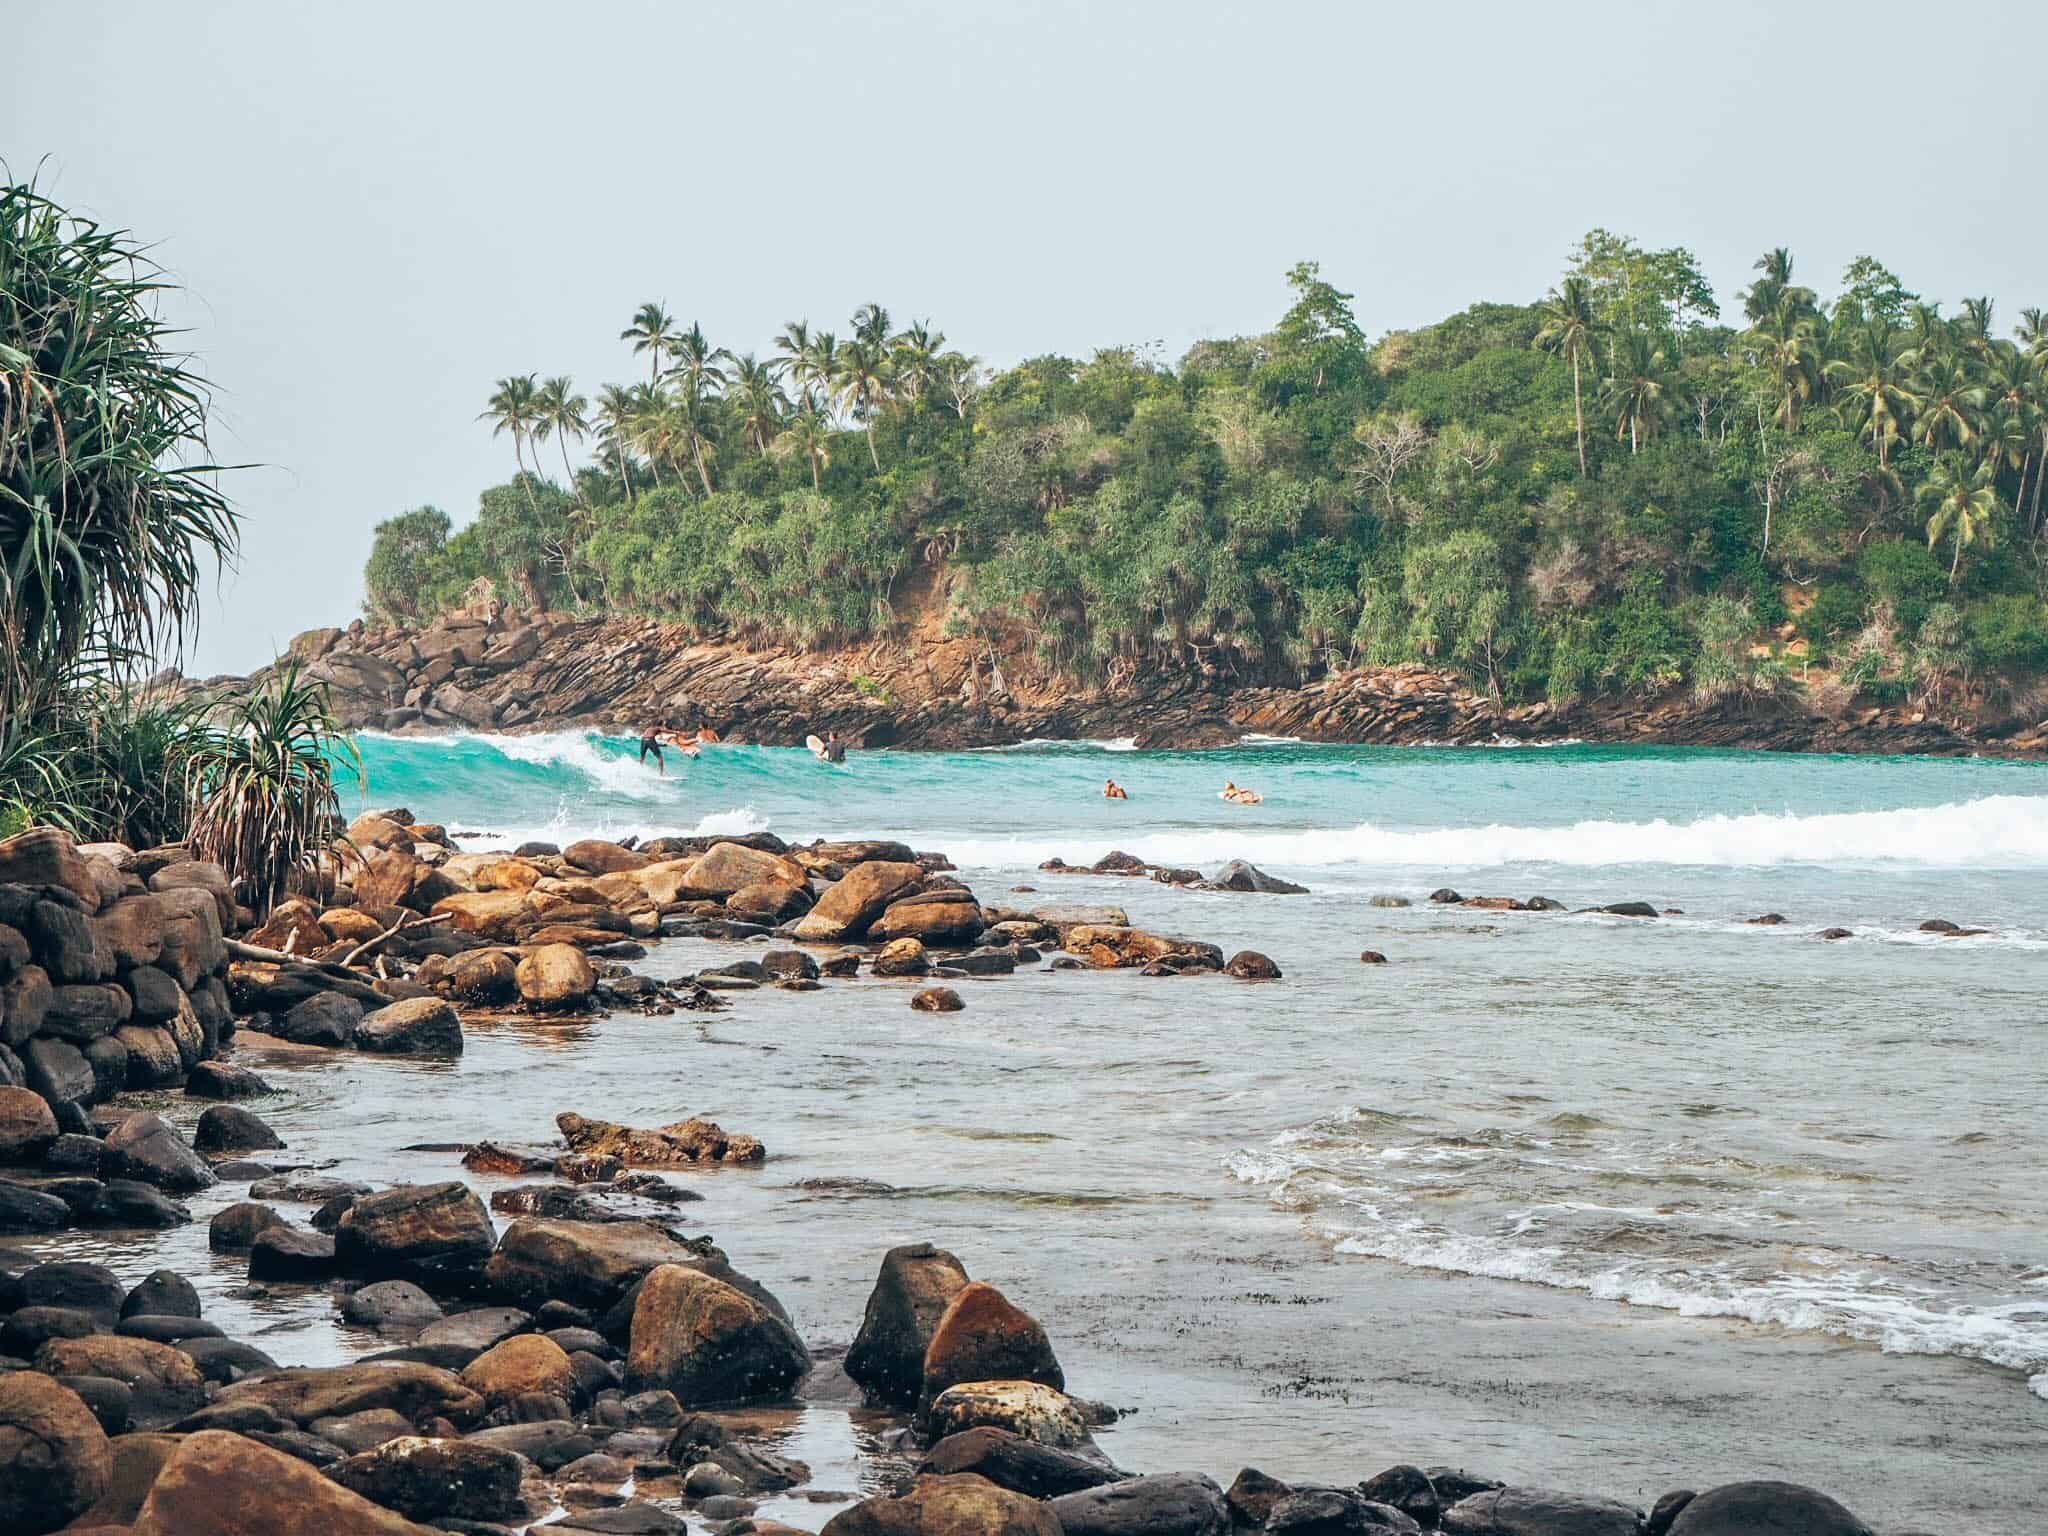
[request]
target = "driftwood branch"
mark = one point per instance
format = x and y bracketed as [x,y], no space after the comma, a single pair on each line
[410,920]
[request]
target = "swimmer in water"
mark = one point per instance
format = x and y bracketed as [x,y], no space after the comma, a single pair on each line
[1239,795]
[1111,790]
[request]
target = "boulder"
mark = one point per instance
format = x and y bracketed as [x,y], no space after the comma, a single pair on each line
[981,1336]
[488,977]
[418,1026]
[937,1000]
[392,1304]
[902,957]
[162,1293]
[1407,1489]
[157,995]
[230,1128]
[231,1485]
[526,1362]
[63,940]
[355,1433]
[1250,965]
[1538,1512]
[27,1128]
[1313,1510]
[585,1263]
[420,1392]
[226,1360]
[24,1000]
[1237,875]
[325,1018]
[687,1143]
[54,1459]
[1026,1408]
[555,976]
[234,1228]
[1765,1509]
[936,917]
[131,931]
[767,901]
[1113,946]
[437,1479]
[199,875]
[1022,1466]
[963,1505]
[147,1149]
[46,856]
[58,1071]
[1164,1504]
[416,1230]
[164,1381]
[504,874]
[707,1341]
[475,1331]
[729,867]
[916,1285]
[349,925]
[393,877]
[23,1209]
[850,905]
[137,1460]
[194,946]
[292,1254]
[220,1080]
[492,914]
[599,857]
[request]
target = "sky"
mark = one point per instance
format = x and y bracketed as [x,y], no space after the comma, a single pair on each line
[378,209]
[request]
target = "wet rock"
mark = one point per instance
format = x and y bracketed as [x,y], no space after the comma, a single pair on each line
[1390,901]
[937,1000]
[477,1330]
[29,1210]
[73,1152]
[27,1127]
[433,1479]
[149,1056]
[1538,1512]
[24,1000]
[1767,920]
[1253,1496]
[295,1254]
[226,1360]
[166,1328]
[304,1187]
[358,1432]
[846,909]
[568,1202]
[1371,957]
[325,1018]
[1835,933]
[417,1391]
[137,1460]
[547,1443]
[110,1401]
[961,1505]
[145,1148]
[270,1492]
[229,1128]
[162,1293]
[527,1362]
[1751,1509]
[707,1341]
[845,963]
[916,1285]
[945,916]
[87,1011]
[683,1144]
[393,1304]
[54,1459]
[416,1230]
[902,957]
[1027,1408]
[1250,965]
[236,1227]
[1629,909]
[990,960]
[487,977]
[1164,1504]
[1124,947]
[28,1329]
[221,1080]
[1237,875]
[309,1448]
[789,965]
[1407,1489]
[164,1381]
[636,1517]
[585,1263]
[418,1026]
[1022,1466]
[1667,1510]
[125,1203]
[1444,896]
[555,976]
[1309,1510]
[982,1337]
[63,940]
[58,1071]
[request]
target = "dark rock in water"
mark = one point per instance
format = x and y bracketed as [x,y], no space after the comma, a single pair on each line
[1444,896]
[1544,904]
[1666,1510]
[1023,1466]
[1371,957]
[1940,925]
[937,1000]
[1539,1512]
[983,1336]
[1629,909]
[74,1283]
[635,1517]
[477,1330]
[228,1128]
[947,1506]
[416,1230]
[1454,1483]
[58,1071]
[30,1210]
[125,1203]
[292,1254]
[1116,863]
[391,1304]
[419,1026]
[27,1330]
[1674,912]
[57,1461]
[235,1227]
[1765,1509]
[168,1328]
[581,1202]
[1164,1504]
[916,1285]
[1250,965]
[112,1402]
[1388,901]
[242,1170]
[304,1188]
[1169,876]
[145,1148]
[1407,1489]
[164,1382]
[72,1153]
[991,960]
[220,1080]
[788,964]
[432,1479]
[1320,1511]
[325,1018]
[845,963]
[1237,875]
[162,1293]
[537,851]
[547,1443]
[1768,920]
[226,1360]
[707,1340]
[1835,933]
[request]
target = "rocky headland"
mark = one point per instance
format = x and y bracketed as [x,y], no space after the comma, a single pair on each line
[491,668]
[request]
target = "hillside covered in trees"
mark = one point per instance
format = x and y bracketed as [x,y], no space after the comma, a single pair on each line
[1620,488]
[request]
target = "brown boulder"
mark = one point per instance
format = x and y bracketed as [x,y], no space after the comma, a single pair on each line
[936,917]
[163,1382]
[687,1143]
[526,1362]
[902,957]
[416,1229]
[46,856]
[962,1505]
[485,976]
[982,1336]
[132,931]
[27,1127]
[373,830]
[413,1026]
[229,1485]
[1111,946]
[916,1285]
[199,875]
[146,1148]
[766,901]
[845,910]
[54,1459]
[662,883]
[292,928]
[420,1392]
[137,1460]
[437,1479]
[1028,1408]
[729,867]
[707,1341]
[494,914]
[555,976]
[1250,965]
[24,1001]
[937,1000]
[584,1263]
[596,856]
[349,925]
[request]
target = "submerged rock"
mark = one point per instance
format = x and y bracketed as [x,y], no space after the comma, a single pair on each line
[684,1144]
[937,1000]
[1023,1466]
[1783,1509]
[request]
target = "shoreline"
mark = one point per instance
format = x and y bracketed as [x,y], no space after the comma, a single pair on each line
[1163,1346]
[493,669]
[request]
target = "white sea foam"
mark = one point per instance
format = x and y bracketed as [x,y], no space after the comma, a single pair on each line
[1997,831]
[568,827]
[1056,744]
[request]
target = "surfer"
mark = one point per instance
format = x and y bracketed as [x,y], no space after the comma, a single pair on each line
[1111,790]
[1239,795]
[650,742]
[830,750]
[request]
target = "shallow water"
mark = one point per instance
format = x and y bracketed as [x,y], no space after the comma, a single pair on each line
[1586,1201]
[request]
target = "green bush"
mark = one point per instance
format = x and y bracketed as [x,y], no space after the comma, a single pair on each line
[2008,633]
[1835,612]
[1906,574]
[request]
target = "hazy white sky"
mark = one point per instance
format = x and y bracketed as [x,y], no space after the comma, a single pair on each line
[381,208]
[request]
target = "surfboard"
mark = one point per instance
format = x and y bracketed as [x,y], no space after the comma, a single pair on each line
[817,746]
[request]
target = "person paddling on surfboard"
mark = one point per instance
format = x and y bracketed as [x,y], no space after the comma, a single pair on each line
[1238,795]
[1111,790]
[830,750]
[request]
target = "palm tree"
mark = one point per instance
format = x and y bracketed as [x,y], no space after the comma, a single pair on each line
[561,413]
[1874,390]
[871,325]
[1636,387]
[514,407]
[808,431]
[2032,331]
[791,347]
[1569,328]
[690,423]
[615,409]
[915,357]
[818,369]
[697,363]
[1952,401]
[863,382]
[759,400]
[653,332]
[1961,499]
[648,426]
[1769,292]
[1790,353]
[1976,318]
[2013,383]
